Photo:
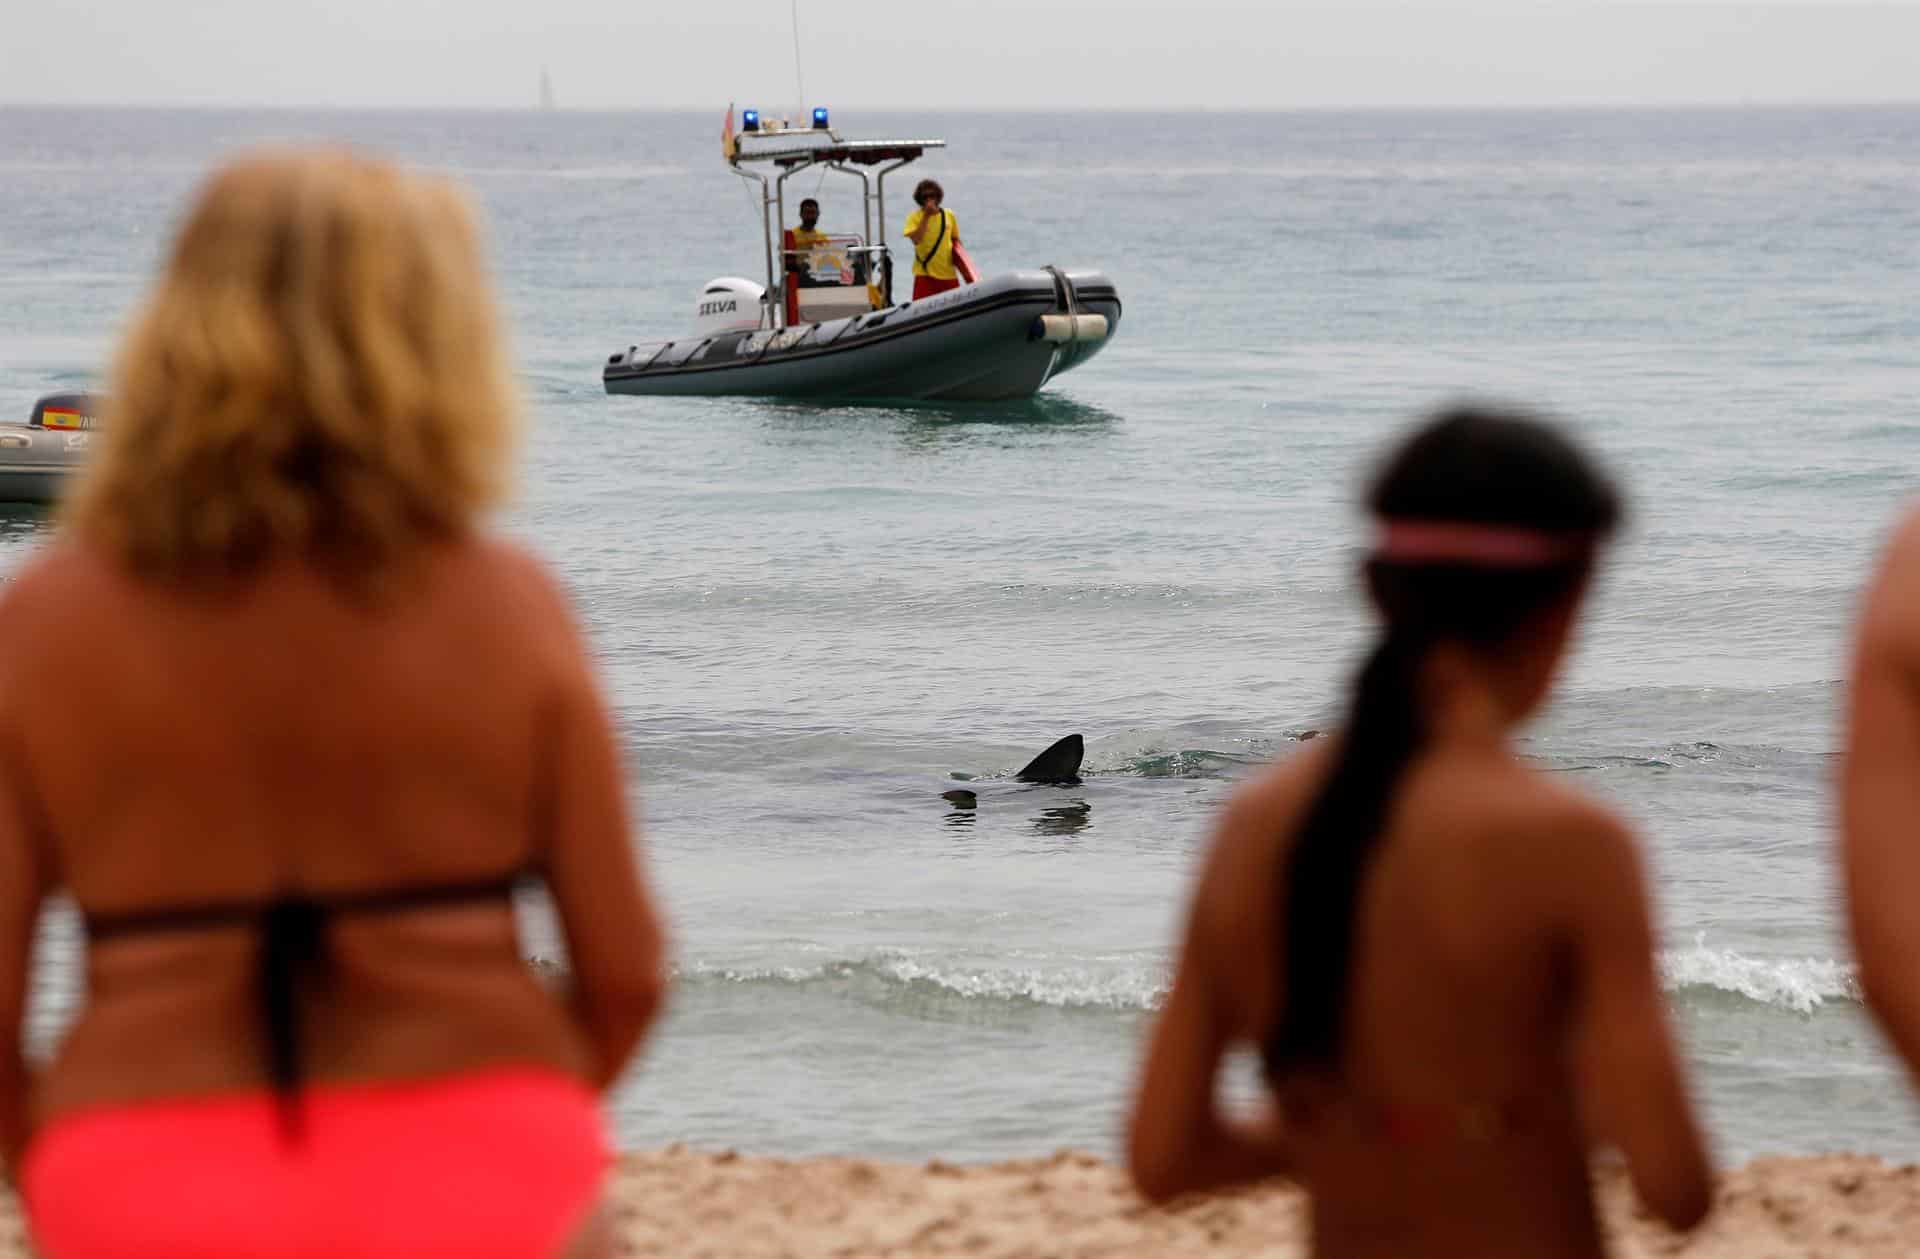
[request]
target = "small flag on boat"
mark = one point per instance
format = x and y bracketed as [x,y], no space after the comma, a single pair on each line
[727,145]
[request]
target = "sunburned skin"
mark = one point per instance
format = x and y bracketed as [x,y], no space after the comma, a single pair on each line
[1880,795]
[1504,1014]
[165,750]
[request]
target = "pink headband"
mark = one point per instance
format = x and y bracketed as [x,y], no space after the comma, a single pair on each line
[1486,546]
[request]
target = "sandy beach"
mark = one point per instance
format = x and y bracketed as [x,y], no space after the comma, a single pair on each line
[729,1206]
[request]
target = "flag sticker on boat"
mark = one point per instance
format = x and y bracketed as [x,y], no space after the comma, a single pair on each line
[63,417]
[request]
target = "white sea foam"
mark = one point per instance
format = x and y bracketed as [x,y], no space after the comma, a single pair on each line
[1069,987]
[1798,984]
[1107,985]
[1801,984]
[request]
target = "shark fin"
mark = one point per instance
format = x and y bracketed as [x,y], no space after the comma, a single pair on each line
[1058,764]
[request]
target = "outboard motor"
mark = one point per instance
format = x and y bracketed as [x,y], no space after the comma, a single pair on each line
[730,304]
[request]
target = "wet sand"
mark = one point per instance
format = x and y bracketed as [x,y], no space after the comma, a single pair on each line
[725,1206]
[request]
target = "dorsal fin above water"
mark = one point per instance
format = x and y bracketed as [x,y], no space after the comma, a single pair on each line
[1058,764]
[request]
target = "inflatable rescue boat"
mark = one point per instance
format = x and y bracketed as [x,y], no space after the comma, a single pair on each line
[824,324]
[38,457]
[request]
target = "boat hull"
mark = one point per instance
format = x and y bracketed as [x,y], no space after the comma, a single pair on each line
[37,464]
[978,342]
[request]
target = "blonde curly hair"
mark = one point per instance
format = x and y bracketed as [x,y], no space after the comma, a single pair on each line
[320,374]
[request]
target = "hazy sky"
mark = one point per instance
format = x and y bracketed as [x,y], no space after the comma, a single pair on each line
[626,54]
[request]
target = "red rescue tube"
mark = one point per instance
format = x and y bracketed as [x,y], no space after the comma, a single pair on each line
[963,265]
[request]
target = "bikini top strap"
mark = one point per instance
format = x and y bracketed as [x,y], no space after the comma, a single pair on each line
[293,951]
[204,914]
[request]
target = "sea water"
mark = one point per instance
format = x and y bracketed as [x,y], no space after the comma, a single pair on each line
[810,618]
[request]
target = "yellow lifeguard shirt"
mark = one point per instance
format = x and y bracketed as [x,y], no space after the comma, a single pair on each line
[939,264]
[802,240]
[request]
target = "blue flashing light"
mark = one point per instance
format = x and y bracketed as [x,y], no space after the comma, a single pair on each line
[750,120]
[819,117]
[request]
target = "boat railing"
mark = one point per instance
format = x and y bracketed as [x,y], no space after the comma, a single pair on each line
[789,151]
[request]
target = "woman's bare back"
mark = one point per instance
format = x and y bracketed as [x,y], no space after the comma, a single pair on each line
[177,749]
[1493,891]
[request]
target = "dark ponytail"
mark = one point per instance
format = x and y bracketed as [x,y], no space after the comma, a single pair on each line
[1467,466]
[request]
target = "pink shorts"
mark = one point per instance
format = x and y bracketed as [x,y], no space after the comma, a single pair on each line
[499,1164]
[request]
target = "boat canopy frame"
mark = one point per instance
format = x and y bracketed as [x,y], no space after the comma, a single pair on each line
[793,151]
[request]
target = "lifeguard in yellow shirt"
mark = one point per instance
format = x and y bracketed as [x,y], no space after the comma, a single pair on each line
[935,234]
[804,238]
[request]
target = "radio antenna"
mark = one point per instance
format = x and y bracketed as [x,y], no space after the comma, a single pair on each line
[799,83]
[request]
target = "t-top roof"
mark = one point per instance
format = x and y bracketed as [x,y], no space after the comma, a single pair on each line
[806,147]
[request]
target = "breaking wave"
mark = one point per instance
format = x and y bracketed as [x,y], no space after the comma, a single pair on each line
[889,976]
[1800,984]
[1692,974]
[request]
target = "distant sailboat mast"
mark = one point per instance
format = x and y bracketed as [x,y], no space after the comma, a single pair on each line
[546,89]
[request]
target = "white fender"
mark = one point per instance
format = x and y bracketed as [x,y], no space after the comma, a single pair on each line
[1062,329]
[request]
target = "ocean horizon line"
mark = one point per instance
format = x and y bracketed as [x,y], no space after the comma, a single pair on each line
[1401,107]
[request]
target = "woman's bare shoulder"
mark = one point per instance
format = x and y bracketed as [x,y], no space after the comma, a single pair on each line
[1549,832]
[512,570]
[1283,786]
[60,578]
[1906,534]
[502,554]
[1891,618]
[1540,801]
[1259,817]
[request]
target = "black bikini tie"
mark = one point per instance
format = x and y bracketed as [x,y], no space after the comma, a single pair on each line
[293,948]
[293,953]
